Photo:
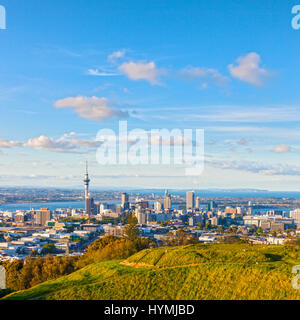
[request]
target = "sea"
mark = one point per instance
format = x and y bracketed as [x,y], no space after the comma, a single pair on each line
[200,193]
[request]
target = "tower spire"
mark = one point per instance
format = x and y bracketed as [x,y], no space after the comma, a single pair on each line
[86,182]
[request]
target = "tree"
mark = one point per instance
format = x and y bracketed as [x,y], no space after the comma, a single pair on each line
[200,225]
[233,229]
[252,229]
[131,231]
[49,248]
[293,241]
[181,238]
[220,229]
[207,225]
[231,239]
[259,231]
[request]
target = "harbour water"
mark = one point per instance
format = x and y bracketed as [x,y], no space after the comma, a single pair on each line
[49,205]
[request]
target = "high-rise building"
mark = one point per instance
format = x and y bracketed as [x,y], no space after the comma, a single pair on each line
[190,200]
[19,217]
[211,206]
[144,204]
[125,201]
[142,215]
[89,205]
[42,216]
[118,209]
[167,201]
[295,214]
[157,206]
[197,205]
[193,221]
[97,207]
[103,207]
[214,221]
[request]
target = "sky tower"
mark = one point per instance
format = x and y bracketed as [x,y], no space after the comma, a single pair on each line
[89,201]
[86,182]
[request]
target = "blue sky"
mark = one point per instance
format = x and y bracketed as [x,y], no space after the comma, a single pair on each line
[229,68]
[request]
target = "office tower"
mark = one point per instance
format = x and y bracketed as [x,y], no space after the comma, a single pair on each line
[119,209]
[211,205]
[230,210]
[89,205]
[167,201]
[214,221]
[125,201]
[295,214]
[193,221]
[97,207]
[42,216]
[142,215]
[103,207]
[144,204]
[19,217]
[190,200]
[197,205]
[157,206]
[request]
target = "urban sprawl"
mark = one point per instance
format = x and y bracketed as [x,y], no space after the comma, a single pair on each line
[70,231]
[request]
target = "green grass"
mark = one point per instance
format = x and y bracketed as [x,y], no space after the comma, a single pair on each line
[215,271]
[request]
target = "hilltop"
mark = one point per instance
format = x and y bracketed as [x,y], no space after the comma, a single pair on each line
[203,271]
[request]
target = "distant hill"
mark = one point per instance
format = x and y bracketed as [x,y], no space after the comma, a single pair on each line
[212,271]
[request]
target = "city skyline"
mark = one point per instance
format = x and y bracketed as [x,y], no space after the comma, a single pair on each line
[62,82]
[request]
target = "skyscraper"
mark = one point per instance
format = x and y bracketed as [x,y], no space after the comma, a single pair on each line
[125,201]
[157,206]
[295,214]
[42,216]
[190,200]
[89,205]
[141,215]
[211,206]
[167,201]
[197,206]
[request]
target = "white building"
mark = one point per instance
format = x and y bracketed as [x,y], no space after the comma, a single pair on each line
[296,216]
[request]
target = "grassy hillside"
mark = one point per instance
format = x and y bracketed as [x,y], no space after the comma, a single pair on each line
[216,271]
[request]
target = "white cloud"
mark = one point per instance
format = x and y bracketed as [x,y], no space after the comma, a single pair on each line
[85,143]
[142,71]
[243,142]
[70,134]
[92,108]
[98,73]
[172,140]
[282,149]
[208,75]
[248,114]
[4,143]
[248,69]
[116,55]
[43,142]
[256,167]
[62,144]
